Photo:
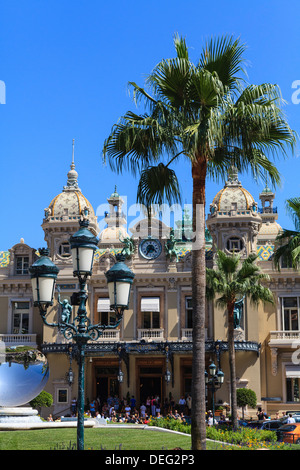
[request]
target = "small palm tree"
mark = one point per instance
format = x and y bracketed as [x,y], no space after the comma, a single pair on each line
[200,114]
[288,241]
[232,280]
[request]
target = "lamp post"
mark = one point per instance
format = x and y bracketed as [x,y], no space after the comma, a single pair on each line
[167,373]
[43,276]
[214,381]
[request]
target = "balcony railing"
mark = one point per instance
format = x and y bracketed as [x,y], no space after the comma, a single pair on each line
[19,339]
[267,210]
[186,334]
[156,334]
[284,338]
[110,335]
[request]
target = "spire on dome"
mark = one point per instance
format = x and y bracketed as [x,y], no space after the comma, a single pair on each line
[233,177]
[72,183]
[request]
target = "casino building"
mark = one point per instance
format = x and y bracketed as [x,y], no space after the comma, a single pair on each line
[152,349]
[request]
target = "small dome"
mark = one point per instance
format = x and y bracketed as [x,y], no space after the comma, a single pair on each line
[69,203]
[269,229]
[115,194]
[113,235]
[233,197]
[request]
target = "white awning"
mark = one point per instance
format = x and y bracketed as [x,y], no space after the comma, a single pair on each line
[150,304]
[103,305]
[292,372]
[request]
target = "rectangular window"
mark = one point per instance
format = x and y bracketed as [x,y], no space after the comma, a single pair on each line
[20,318]
[105,316]
[22,264]
[62,395]
[151,320]
[292,390]
[290,313]
[188,313]
[150,308]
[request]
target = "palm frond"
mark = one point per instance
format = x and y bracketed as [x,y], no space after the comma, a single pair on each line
[181,47]
[158,184]
[224,56]
[293,209]
[234,278]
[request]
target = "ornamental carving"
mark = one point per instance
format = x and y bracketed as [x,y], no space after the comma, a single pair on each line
[274,362]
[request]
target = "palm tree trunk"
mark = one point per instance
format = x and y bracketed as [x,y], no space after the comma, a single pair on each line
[231,352]
[198,423]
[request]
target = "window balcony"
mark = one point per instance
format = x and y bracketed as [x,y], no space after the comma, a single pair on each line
[151,334]
[110,335]
[284,338]
[19,340]
[186,334]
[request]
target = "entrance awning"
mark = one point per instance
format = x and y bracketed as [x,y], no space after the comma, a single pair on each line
[103,305]
[292,371]
[150,304]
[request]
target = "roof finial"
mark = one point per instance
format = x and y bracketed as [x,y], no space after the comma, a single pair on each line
[72,174]
[73,164]
[233,177]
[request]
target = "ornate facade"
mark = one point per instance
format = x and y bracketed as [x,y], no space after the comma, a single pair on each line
[155,336]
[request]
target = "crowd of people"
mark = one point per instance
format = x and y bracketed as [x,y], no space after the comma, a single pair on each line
[126,410]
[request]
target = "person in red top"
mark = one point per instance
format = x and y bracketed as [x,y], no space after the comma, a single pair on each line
[153,406]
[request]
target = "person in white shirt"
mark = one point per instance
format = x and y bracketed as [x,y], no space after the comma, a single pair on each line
[290,419]
[182,403]
[143,410]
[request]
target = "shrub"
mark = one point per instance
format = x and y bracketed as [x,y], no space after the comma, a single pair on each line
[244,436]
[43,399]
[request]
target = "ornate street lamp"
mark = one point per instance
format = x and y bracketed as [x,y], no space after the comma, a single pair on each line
[214,381]
[168,376]
[43,276]
[120,373]
[167,373]
[120,376]
[83,246]
[119,280]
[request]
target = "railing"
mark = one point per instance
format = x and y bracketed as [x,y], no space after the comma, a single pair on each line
[186,334]
[267,210]
[287,335]
[151,334]
[110,335]
[19,339]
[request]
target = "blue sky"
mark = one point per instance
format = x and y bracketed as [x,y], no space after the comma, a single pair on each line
[66,65]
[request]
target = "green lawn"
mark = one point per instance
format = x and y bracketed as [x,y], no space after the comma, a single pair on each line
[97,439]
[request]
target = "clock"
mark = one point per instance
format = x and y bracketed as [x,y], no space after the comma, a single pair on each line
[150,249]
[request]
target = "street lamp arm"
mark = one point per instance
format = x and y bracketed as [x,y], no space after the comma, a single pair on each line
[43,313]
[69,330]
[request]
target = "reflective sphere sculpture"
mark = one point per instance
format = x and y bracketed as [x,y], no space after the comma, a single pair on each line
[23,375]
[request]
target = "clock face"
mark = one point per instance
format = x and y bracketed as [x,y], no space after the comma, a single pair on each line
[150,249]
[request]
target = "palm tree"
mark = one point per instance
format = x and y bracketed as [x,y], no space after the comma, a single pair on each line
[233,280]
[288,241]
[198,113]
